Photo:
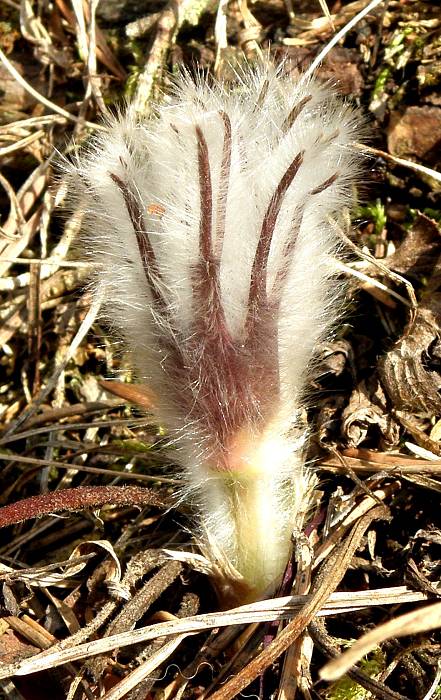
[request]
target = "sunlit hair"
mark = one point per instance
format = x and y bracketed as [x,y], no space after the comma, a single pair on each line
[210,224]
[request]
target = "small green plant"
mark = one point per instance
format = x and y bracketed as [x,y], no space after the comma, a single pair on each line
[437,693]
[434,214]
[347,689]
[376,212]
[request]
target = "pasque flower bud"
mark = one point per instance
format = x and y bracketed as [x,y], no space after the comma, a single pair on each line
[210,224]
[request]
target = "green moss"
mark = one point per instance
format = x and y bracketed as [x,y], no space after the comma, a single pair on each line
[380,83]
[347,689]
[434,214]
[376,212]
[132,445]
[139,50]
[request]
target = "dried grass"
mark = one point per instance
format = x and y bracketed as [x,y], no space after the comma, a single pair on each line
[85,591]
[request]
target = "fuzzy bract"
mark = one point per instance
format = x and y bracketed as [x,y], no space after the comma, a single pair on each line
[209,225]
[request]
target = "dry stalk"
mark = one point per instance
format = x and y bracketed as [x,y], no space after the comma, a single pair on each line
[330,576]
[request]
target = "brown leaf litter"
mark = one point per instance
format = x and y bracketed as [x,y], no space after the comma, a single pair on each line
[103,595]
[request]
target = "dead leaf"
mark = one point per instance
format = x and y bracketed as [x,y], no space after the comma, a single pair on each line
[138,394]
[342,67]
[416,132]
[367,409]
[13,647]
[420,251]
[409,372]
[335,358]
[328,419]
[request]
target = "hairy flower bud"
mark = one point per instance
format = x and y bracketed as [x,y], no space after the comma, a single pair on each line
[210,222]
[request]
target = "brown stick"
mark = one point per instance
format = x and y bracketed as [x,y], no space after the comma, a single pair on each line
[76,499]
[330,576]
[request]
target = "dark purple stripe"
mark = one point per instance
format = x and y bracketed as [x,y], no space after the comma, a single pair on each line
[146,251]
[295,112]
[327,183]
[224,179]
[257,295]
[206,197]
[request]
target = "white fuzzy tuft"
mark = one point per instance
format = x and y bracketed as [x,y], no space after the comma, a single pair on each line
[210,226]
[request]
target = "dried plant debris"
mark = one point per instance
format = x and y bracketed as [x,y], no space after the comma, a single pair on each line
[416,133]
[418,254]
[410,370]
[103,591]
[367,409]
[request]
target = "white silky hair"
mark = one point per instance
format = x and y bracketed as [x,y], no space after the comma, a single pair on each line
[208,225]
